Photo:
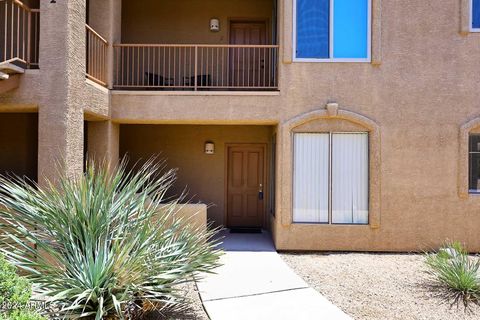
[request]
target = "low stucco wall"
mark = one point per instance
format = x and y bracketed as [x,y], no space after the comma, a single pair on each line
[194,214]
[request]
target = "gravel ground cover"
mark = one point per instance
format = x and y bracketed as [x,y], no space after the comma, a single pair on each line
[376,286]
[194,312]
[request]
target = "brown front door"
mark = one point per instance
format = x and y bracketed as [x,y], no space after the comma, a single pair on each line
[248,65]
[245,185]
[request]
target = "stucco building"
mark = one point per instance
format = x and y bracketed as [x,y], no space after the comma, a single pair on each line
[337,125]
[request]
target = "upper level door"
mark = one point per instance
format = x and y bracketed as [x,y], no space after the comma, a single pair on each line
[249,65]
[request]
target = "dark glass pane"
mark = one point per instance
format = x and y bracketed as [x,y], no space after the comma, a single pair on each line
[474,163]
[476,14]
[313,28]
[475,172]
[474,143]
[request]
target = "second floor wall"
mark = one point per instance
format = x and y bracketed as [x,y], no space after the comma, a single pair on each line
[420,54]
[188,22]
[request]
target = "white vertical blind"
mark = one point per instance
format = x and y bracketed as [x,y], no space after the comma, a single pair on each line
[311,180]
[350,178]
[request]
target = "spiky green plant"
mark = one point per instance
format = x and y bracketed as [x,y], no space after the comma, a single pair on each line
[456,274]
[104,243]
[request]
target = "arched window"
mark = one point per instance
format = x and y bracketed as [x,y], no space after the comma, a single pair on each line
[334,169]
[469,164]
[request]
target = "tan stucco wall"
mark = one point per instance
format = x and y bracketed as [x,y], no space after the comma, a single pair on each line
[182,146]
[423,88]
[193,215]
[58,91]
[173,21]
[18,144]
[422,92]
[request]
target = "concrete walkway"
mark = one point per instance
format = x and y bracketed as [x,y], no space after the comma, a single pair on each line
[255,283]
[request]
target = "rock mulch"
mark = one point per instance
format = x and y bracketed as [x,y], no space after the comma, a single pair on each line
[376,286]
[195,310]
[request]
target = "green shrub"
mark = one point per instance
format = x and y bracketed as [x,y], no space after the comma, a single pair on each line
[105,243]
[456,273]
[13,289]
[22,315]
[15,293]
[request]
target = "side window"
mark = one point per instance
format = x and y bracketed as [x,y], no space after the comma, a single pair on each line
[332,30]
[474,163]
[475,15]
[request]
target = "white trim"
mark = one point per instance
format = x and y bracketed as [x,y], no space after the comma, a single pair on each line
[330,30]
[294,31]
[472,29]
[368,59]
[332,60]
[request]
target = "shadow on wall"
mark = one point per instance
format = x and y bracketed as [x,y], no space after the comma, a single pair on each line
[183,147]
[19,144]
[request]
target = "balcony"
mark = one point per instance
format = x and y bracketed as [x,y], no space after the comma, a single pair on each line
[97,49]
[195,67]
[172,46]
[19,39]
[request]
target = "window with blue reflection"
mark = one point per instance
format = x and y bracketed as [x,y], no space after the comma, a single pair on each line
[350,29]
[476,14]
[332,29]
[313,28]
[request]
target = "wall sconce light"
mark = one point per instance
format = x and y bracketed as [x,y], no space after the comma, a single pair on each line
[209,147]
[214,25]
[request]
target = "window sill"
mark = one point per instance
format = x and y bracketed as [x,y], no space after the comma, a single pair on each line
[331,224]
[338,60]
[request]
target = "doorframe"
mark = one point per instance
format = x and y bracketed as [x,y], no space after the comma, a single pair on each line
[266,193]
[268,35]
[265,20]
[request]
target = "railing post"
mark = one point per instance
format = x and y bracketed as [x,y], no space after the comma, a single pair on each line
[6,31]
[195,73]
[29,34]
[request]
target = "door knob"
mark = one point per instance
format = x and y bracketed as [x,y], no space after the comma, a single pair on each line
[260,192]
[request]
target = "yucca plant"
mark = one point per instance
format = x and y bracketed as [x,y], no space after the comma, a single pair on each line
[105,243]
[456,274]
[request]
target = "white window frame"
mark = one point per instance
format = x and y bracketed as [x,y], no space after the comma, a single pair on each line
[472,29]
[369,38]
[330,179]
